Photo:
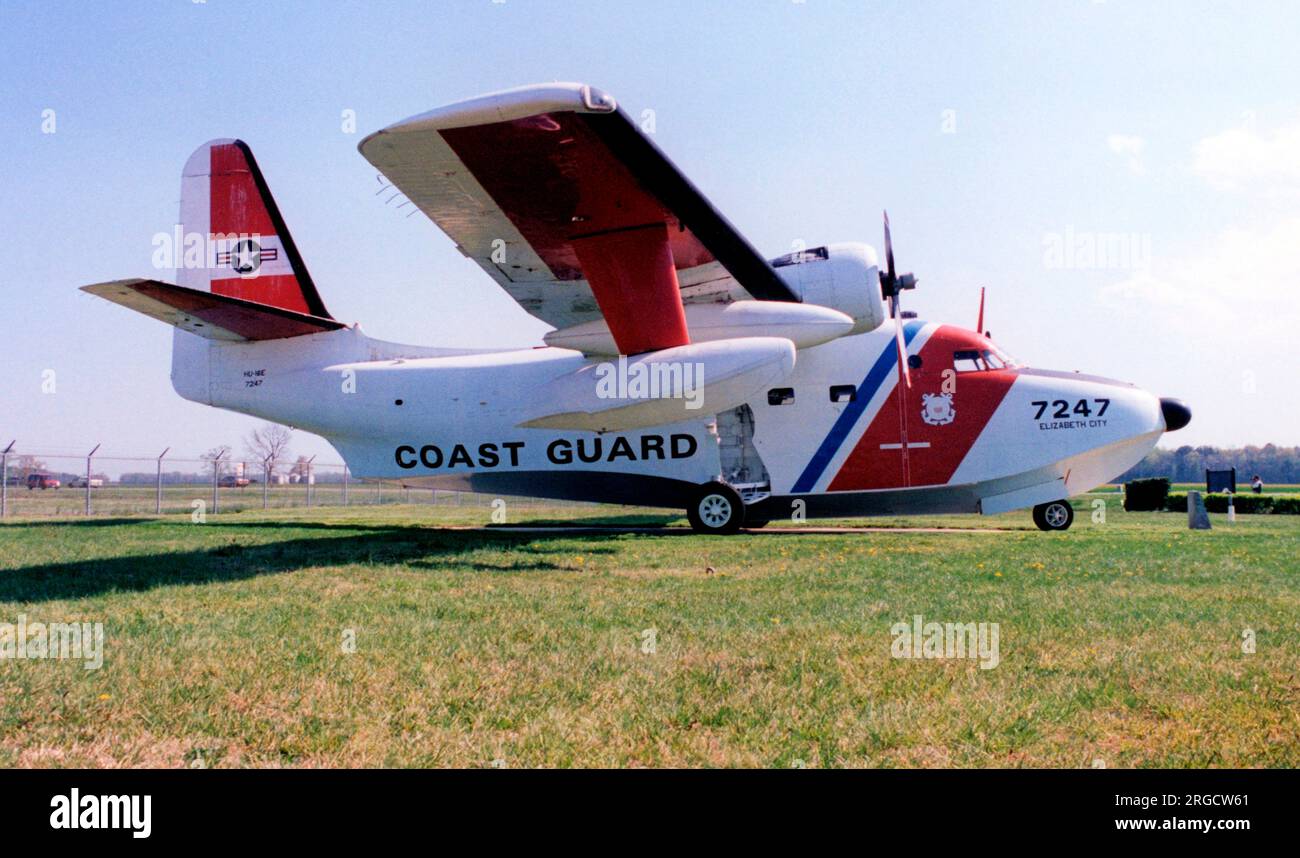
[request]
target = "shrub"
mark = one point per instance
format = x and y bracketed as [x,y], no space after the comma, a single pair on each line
[1286,506]
[1244,504]
[1146,495]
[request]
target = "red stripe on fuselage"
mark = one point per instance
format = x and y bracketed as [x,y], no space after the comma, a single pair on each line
[975,397]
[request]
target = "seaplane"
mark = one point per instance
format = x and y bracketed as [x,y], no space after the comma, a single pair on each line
[683,370]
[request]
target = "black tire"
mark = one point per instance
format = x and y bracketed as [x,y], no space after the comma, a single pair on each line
[716,508]
[1054,515]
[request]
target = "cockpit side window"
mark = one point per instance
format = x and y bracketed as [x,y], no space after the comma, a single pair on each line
[968,360]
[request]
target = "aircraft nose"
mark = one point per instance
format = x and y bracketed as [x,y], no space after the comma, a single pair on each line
[1176,414]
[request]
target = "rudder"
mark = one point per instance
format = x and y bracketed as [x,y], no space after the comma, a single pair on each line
[248,251]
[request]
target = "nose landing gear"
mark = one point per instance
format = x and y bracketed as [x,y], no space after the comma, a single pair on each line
[1054,515]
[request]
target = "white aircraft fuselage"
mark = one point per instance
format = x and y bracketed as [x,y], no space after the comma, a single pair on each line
[970,437]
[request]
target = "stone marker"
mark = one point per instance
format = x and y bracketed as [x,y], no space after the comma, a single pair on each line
[1197,517]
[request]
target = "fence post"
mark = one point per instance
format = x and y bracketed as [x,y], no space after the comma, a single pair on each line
[345,483]
[157,499]
[89,456]
[4,480]
[266,479]
[310,479]
[216,477]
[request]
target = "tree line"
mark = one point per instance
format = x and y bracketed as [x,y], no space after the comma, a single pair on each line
[1188,464]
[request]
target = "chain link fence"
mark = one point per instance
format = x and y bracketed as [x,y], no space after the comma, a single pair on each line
[63,484]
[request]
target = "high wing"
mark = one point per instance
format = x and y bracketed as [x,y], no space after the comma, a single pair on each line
[557,194]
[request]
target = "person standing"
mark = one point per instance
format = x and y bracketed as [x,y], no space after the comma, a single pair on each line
[1256,484]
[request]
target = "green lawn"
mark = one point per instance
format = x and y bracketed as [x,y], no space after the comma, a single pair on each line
[1119,641]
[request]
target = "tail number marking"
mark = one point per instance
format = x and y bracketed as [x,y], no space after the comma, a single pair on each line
[1061,409]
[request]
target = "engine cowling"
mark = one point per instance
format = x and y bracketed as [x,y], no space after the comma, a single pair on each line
[844,277]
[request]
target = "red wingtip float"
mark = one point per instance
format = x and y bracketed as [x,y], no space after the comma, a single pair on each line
[685,369]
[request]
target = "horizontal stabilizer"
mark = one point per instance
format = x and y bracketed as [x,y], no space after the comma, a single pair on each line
[207,314]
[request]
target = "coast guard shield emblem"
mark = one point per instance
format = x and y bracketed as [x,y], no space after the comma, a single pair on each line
[936,409]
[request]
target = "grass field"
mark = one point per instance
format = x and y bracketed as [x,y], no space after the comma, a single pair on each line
[225,642]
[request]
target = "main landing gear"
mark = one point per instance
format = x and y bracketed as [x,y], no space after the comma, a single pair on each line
[1054,515]
[716,508]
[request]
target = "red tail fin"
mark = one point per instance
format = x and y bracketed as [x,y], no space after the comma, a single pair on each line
[248,252]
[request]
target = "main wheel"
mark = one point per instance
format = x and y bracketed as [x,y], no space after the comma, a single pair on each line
[1056,515]
[716,508]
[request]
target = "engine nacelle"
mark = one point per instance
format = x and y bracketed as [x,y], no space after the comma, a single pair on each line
[805,325]
[844,277]
[666,386]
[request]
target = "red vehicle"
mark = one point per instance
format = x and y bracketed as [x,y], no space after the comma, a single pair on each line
[42,481]
[230,481]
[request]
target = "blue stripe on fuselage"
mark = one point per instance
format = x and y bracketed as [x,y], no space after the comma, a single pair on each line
[880,370]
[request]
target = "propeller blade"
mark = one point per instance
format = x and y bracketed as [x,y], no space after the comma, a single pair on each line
[979,326]
[889,252]
[904,373]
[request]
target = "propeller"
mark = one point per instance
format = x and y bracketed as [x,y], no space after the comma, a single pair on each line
[979,326]
[891,285]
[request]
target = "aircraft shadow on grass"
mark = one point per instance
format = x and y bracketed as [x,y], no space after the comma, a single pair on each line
[415,547]
[419,547]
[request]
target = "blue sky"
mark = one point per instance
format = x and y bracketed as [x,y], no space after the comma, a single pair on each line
[991,131]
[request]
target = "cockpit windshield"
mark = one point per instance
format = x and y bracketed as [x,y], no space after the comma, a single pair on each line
[981,359]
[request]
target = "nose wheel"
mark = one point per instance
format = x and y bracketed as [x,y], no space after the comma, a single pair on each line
[1055,515]
[716,508]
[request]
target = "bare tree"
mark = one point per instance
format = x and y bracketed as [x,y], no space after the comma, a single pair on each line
[269,444]
[28,464]
[217,455]
[301,469]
